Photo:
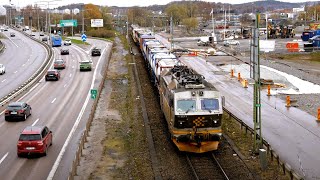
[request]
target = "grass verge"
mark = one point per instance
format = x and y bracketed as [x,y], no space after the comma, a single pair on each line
[314,56]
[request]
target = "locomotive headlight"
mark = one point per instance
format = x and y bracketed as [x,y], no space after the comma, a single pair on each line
[193,93]
[215,122]
[200,93]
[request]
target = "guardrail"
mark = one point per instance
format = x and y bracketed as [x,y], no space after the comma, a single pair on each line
[284,166]
[34,78]
[2,47]
[85,134]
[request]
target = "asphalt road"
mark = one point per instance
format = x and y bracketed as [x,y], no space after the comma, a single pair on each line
[61,105]
[22,57]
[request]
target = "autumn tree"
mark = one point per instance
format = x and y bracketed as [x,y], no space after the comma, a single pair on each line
[190,23]
[178,12]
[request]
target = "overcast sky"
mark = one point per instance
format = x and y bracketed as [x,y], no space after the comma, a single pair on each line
[122,3]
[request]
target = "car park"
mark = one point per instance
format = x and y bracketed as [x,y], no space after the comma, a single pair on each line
[67,42]
[85,65]
[59,64]
[96,52]
[52,74]
[17,110]
[12,34]
[64,51]
[2,69]
[230,42]
[34,140]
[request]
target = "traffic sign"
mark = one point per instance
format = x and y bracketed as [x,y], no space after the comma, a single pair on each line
[94,93]
[84,37]
[68,23]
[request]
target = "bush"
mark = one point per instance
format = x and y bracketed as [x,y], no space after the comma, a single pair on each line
[101,33]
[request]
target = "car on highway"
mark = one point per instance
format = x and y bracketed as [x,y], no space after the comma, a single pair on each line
[17,110]
[2,69]
[96,52]
[59,64]
[67,42]
[64,51]
[41,34]
[231,42]
[52,74]
[6,28]
[34,140]
[44,39]
[85,65]
[12,34]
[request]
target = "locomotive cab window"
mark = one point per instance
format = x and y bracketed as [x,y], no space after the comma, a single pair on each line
[186,105]
[209,104]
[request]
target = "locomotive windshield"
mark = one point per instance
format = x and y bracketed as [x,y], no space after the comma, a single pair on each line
[186,105]
[209,104]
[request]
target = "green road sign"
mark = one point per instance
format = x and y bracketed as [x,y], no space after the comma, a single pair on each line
[68,23]
[94,93]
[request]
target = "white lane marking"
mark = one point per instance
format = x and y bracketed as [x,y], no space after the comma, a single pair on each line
[28,59]
[72,60]
[10,40]
[23,65]
[15,72]
[53,100]
[4,80]
[35,122]
[70,75]
[72,67]
[4,157]
[64,147]
[89,49]
[65,85]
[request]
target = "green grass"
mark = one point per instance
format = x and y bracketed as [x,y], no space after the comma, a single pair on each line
[75,41]
[314,56]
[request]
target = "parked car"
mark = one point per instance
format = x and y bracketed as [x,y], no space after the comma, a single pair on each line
[85,65]
[34,140]
[2,69]
[59,64]
[96,52]
[12,34]
[230,42]
[64,51]
[41,34]
[17,110]
[44,39]
[52,74]
[67,42]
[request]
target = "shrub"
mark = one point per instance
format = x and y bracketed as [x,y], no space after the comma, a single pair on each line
[102,33]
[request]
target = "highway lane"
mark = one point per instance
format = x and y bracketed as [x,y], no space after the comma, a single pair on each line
[55,104]
[21,58]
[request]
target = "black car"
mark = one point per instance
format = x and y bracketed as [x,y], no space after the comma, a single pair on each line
[12,34]
[52,74]
[64,51]
[44,39]
[96,52]
[17,110]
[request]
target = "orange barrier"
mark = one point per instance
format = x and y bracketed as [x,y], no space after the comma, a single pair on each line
[244,83]
[232,73]
[269,90]
[292,47]
[239,77]
[318,114]
[288,101]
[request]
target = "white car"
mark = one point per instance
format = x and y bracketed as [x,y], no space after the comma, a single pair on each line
[67,42]
[231,42]
[2,69]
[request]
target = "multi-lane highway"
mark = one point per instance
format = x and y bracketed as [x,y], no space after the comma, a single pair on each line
[22,57]
[62,106]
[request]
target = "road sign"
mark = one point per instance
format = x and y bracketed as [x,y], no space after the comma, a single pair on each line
[68,23]
[84,37]
[94,93]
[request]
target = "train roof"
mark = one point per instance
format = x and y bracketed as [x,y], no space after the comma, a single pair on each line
[164,56]
[168,62]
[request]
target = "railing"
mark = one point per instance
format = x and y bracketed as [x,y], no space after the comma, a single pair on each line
[2,47]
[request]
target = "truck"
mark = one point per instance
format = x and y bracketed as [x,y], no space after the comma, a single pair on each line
[85,65]
[205,41]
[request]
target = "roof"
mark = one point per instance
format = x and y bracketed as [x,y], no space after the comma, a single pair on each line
[32,130]
[15,104]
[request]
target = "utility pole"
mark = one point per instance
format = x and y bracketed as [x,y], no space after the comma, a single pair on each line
[83,20]
[72,21]
[171,33]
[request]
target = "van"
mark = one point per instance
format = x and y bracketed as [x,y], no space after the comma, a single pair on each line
[26,28]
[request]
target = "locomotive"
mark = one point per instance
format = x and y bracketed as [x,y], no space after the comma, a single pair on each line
[192,107]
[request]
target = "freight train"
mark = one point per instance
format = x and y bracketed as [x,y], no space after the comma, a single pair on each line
[192,107]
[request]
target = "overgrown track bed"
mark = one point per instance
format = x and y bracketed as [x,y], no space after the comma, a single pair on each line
[221,164]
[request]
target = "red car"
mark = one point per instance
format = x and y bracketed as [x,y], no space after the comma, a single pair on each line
[52,74]
[34,140]
[59,64]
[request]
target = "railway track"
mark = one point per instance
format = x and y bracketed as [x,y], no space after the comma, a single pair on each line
[206,167]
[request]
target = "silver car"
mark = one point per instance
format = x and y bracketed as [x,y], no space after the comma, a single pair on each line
[2,69]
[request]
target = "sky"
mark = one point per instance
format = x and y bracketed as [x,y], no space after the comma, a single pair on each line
[121,3]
